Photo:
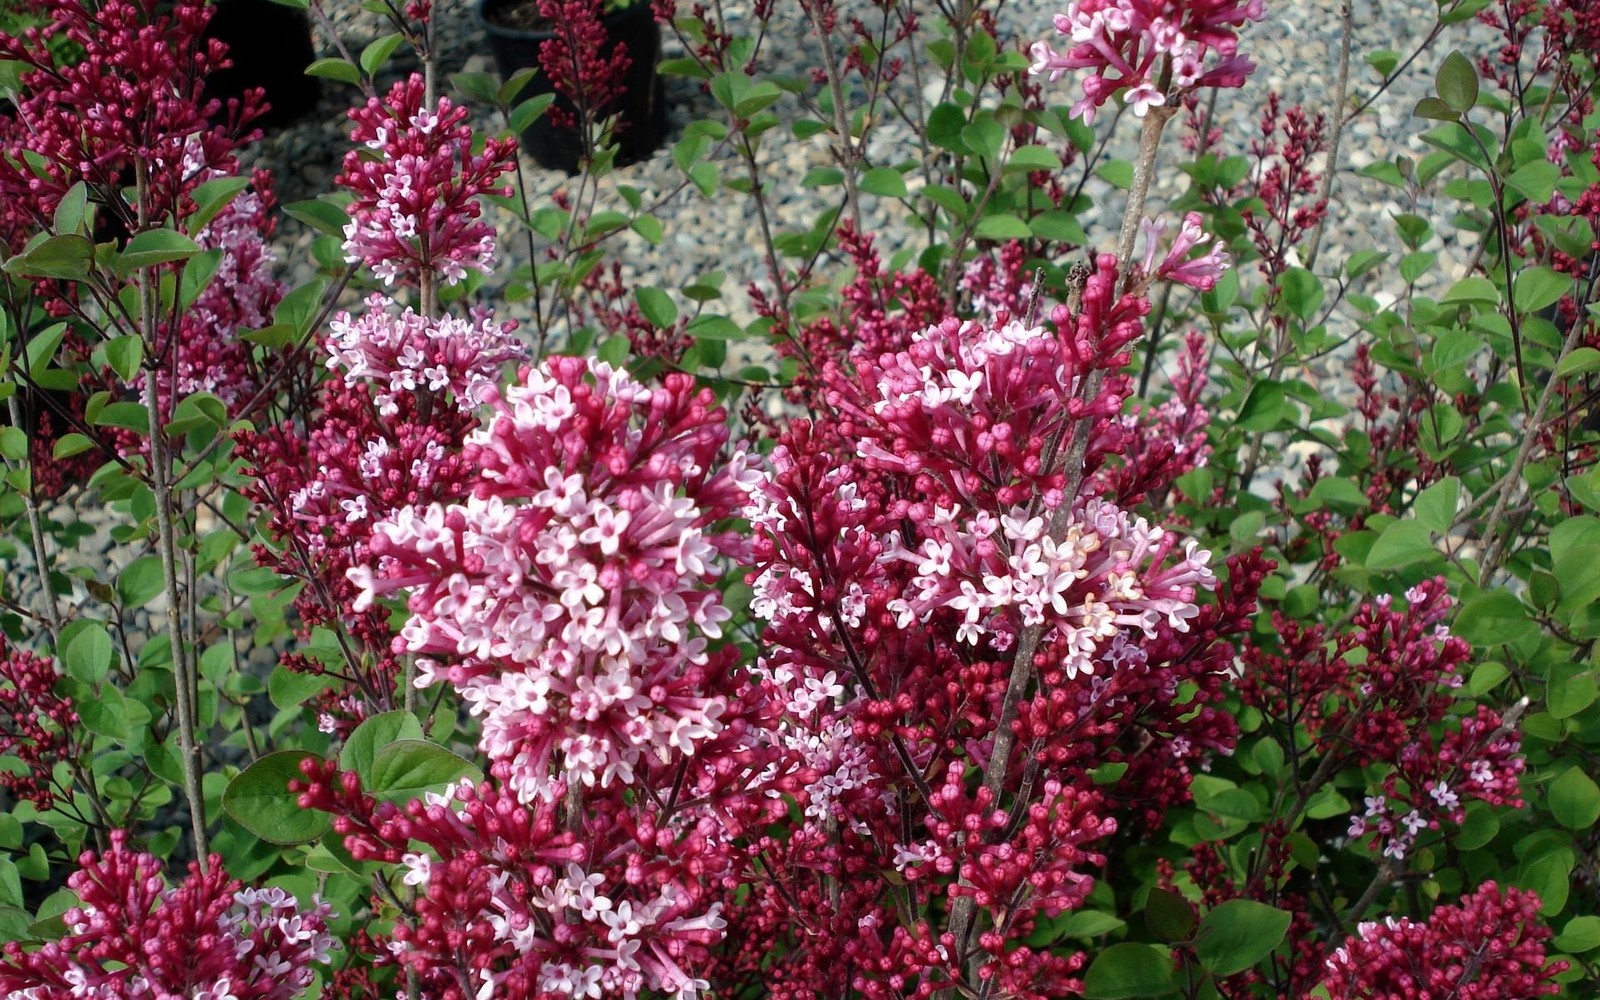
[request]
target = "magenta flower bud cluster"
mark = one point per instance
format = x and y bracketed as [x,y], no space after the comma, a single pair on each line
[1153,49]
[1490,946]
[416,183]
[208,938]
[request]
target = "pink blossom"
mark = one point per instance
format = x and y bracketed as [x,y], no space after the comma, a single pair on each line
[1200,272]
[132,936]
[416,183]
[1156,49]
[411,353]
[570,599]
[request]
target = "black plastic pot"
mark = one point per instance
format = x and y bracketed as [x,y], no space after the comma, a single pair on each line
[641,109]
[270,47]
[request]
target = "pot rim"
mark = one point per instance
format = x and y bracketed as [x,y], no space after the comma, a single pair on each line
[480,8]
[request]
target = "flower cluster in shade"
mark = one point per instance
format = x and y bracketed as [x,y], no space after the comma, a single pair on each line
[513,902]
[1373,694]
[36,725]
[135,94]
[571,597]
[416,182]
[240,296]
[1153,49]
[1489,946]
[584,66]
[131,936]
[387,432]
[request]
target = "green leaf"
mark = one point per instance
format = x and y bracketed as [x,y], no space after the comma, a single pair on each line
[1435,506]
[335,69]
[123,354]
[1493,618]
[322,216]
[107,714]
[288,688]
[260,801]
[1129,970]
[154,247]
[211,197]
[1457,83]
[378,52]
[1539,287]
[1239,933]
[70,257]
[527,112]
[479,87]
[72,207]
[712,327]
[13,444]
[1473,289]
[1302,292]
[1433,107]
[1577,572]
[1571,688]
[1535,181]
[1580,935]
[656,306]
[405,769]
[140,581]
[374,733]
[1058,227]
[1343,495]
[1403,543]
[945,123]
[1002,227]
[1170,917]
[1574,800]
[1581,361]
[1031,158]
[885,182]
[87,657]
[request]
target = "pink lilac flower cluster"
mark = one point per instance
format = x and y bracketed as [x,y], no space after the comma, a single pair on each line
[411,353]
[1480,758]
[240,297]
[207,938]
[571,597]
[37,725]
[387,434]
[978,411]
[997,282]
[526,899]
[1155,49]
[939,450]
[1179,264]
[1490,946]
[416,183]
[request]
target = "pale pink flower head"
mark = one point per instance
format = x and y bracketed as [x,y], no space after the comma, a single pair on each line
[1156,49]
[571,598]
[410,353]
[1200,272]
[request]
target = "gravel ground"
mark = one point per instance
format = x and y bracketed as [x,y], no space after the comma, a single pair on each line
[1297,49]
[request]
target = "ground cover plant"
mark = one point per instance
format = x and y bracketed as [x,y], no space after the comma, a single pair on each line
[1005,610]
